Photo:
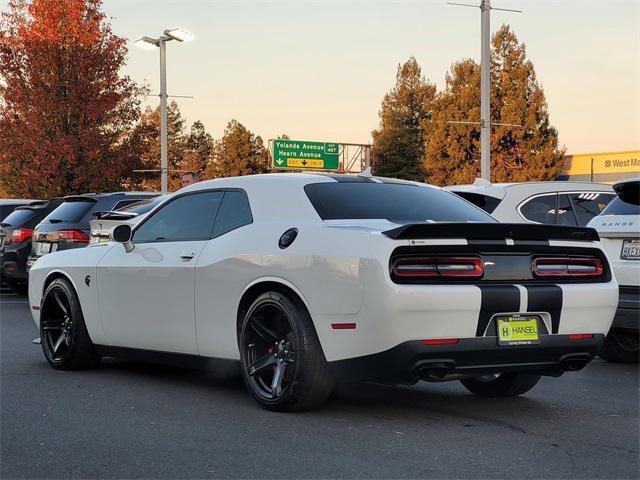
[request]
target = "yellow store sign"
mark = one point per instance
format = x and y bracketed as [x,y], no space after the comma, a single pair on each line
[608,167]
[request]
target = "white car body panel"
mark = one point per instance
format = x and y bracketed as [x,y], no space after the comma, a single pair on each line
[514,195]
[613,230]
[152,299]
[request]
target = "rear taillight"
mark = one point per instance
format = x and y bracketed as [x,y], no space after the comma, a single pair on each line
[21,234]
[72,236]
[567,267]
[425,267]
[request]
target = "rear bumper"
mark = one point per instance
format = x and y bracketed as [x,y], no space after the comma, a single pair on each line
[14,262]
[413,360]
[628,312]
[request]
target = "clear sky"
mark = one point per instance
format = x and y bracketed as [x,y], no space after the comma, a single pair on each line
[318,70]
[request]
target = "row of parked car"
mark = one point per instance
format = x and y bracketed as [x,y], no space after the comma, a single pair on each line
[33,228]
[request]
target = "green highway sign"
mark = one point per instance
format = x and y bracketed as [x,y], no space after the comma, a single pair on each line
[301,155]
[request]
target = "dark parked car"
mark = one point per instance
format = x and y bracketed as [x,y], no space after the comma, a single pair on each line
[68,225]
[8,205]
[16,231]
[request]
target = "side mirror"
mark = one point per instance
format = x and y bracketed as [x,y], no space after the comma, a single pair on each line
[122,234]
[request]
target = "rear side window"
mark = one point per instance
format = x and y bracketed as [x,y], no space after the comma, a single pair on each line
[234,212]
[70,211]
[617,206]
[587,205]
[187,218]
[485,202]
[19,217]
[540,209]
[390,201]
[564,214]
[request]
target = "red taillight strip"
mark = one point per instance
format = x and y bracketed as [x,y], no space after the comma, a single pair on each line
[580,336]
[73,236]
[437,267]
[567,267]
[21,234]
[343,326]
[35,307]
[441,341]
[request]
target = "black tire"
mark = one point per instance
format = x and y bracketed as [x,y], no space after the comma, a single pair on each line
[620,346]
[63,334]
[503,385]
[283,365]
[19,288]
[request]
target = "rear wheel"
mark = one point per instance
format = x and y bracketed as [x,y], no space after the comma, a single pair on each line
[620,346]
[283,365]
[63,334]
[501,385]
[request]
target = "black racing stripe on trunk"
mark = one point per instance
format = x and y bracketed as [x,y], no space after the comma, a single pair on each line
[531,242]
[496,299]
[546,298]
[487,242]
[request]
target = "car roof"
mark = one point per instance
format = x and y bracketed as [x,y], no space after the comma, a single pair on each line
[276,195]
[97,196]
[293,179]
[499,190]
[17,201]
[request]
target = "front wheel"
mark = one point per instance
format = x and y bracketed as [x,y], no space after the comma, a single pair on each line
[620,346]
[283,364]
[64,338]
[501,385]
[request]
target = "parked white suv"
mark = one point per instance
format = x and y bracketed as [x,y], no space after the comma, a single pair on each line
[561,203]
[619,229]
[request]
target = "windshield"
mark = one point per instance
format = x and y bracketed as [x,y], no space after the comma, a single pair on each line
[70,211]
[19,217]
[390,201]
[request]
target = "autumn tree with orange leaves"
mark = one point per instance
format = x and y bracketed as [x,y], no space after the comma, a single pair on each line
[65,109]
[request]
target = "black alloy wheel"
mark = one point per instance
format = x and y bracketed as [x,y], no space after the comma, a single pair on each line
[64,338]
[58,326]
[283,365]
[270,352]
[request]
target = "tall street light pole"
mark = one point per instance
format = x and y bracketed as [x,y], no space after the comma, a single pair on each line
[485,85]
[150,43]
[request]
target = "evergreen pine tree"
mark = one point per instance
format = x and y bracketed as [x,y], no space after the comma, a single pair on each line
[398,143]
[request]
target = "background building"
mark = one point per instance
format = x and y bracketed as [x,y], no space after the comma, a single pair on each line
[607,167]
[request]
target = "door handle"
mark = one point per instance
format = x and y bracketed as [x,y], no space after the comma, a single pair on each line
[187,256]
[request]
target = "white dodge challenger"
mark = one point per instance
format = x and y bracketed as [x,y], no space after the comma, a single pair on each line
[301,280]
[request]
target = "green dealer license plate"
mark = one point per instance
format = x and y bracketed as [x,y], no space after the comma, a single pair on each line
[518,329]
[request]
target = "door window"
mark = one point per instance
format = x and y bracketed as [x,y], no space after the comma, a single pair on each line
[234,213]
[187,218]
[540,209]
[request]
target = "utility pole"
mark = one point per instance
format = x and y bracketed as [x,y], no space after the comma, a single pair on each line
[485,87]
[485,84]
[164,164]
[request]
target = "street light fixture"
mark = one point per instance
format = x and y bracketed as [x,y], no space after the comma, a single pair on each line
[149,43]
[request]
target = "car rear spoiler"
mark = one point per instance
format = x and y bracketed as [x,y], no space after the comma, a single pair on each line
[115,215]
[492,231]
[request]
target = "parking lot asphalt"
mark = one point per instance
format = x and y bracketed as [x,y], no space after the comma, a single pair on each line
[131,420]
